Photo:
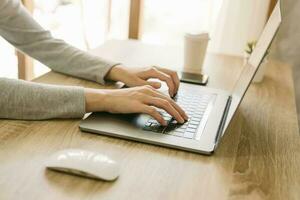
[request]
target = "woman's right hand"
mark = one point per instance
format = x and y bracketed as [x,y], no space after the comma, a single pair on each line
[141,99]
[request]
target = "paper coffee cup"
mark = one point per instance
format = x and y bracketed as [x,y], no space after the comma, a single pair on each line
[195,46]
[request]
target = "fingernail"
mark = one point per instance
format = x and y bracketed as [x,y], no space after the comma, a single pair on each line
[182,121]
[186,117]
[164,123]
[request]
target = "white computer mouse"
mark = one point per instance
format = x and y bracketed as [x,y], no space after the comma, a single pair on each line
[84,163]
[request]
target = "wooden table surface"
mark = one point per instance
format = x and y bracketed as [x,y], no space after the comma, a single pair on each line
[258,158]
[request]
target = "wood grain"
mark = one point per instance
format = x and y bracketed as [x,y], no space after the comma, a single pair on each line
[258,158]
[25,63]
[271,7]
[25,66]
[135,18]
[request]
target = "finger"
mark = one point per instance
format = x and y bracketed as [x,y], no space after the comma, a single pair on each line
[132,81]
[154,113]
[173,75]
[140,82]
[165,105]
[158,94]
[175,105]
[154,84]
[166,78]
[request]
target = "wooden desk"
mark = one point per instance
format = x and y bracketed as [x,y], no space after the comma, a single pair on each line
[258,158]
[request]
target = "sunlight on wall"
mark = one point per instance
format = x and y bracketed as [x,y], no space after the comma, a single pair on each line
[82,23]
[166,22]
[8,60]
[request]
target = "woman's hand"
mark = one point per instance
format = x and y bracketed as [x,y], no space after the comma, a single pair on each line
[142,99]
[139,76]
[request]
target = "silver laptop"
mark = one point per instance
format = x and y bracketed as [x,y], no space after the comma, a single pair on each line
[210,110]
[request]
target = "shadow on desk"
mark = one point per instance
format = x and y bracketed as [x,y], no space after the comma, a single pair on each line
[76,186]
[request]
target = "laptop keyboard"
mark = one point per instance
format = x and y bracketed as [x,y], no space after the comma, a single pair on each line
[195,104]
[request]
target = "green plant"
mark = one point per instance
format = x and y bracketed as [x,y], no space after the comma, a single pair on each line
[250,47]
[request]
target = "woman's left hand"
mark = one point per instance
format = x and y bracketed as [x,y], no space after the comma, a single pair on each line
[139,76]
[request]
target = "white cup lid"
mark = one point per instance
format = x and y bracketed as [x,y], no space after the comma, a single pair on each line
[200,36]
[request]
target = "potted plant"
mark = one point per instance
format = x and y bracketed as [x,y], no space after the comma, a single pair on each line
[248,50]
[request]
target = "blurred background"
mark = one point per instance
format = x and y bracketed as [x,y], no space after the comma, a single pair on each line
[287,43]
[87,24]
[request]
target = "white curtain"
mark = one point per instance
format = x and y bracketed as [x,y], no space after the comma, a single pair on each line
[239,21]
[166,22]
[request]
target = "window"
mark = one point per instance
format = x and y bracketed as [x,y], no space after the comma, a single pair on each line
[8,61]
[85,24]
[166,22]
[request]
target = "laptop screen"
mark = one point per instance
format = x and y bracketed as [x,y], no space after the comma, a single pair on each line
[254,62]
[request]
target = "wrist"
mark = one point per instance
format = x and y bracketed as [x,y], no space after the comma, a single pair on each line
[94,100]
[115,74]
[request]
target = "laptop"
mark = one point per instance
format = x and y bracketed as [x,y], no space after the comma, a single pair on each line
[210,110]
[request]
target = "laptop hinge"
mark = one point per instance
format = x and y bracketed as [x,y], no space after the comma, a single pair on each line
[223,121]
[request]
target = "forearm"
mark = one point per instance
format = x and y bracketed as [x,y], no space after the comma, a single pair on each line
[64,58]
[33,101]
[21,30]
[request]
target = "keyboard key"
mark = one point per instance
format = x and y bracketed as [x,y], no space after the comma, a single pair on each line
[193,122]
[197,116]
[180,129]
[155,128]
[147,128]
[155,123]
[192,126]
[167,118]
[188,135]
[164,114]
[190,130]
[174,122]
[183,126]
[176,133]
[152,120]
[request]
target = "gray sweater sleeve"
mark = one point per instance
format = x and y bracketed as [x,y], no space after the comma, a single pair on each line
[25,100]
[31,101]
[22,31]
